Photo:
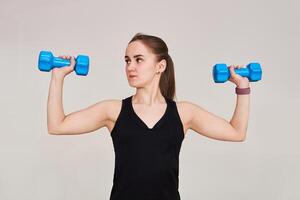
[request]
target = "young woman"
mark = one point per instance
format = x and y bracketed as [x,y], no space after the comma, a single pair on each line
[147,128]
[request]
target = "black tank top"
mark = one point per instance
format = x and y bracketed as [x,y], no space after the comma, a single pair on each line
[146,159]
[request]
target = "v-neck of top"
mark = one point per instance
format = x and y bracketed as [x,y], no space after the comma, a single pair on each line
[142,123]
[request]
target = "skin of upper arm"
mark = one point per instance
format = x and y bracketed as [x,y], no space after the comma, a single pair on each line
[210,125]
[85,120]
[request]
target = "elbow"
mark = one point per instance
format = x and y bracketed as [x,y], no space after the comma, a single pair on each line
[238,137]
[52,131]
[55,128]
[242,138]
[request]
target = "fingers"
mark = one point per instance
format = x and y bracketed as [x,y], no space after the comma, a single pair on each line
[72,60]
[231,69]
[236,66]
[232,72]
[66,57]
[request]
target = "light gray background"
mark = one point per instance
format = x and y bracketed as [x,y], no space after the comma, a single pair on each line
[35,165]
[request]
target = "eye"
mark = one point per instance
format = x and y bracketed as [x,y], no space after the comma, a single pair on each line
[138,59]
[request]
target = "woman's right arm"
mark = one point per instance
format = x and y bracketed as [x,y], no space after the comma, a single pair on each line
[79,122]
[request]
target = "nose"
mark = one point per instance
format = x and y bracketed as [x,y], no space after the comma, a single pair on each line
[130,67]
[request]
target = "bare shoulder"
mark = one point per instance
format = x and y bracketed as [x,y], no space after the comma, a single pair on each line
[188,109]
[184,110]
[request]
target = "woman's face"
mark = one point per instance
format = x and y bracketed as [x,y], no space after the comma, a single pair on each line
[140,64]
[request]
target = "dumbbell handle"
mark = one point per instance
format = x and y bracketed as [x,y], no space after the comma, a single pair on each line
[245,72]
[59,62]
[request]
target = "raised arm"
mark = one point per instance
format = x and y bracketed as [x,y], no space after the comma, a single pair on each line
[83,121]
[210,125]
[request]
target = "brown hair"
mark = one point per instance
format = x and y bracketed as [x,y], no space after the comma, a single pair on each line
[160,49]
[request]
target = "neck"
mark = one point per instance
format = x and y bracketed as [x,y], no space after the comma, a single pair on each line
[148,98]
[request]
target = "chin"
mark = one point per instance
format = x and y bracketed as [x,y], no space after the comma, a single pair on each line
[135,85]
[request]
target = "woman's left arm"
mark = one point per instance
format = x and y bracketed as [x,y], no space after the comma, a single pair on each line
[213,126]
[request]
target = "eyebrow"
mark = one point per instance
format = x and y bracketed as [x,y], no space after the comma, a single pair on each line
[139,55]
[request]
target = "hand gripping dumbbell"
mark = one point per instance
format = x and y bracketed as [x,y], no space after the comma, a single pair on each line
[221,72]
[47,62]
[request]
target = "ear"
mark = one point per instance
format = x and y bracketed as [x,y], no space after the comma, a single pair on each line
[162,66]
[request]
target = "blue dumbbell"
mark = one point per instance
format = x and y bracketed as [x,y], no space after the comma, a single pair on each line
[47,62]
[221,72]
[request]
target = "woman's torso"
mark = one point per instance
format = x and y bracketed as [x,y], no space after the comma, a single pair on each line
[146,150]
